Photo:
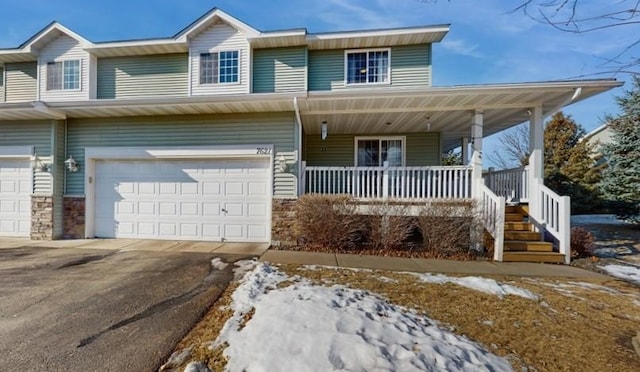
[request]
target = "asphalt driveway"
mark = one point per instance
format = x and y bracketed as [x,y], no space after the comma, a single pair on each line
[77,309]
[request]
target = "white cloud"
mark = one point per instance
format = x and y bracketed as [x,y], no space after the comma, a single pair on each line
[461,47]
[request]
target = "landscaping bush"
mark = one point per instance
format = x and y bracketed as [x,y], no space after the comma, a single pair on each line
[328,222]
[388,226]
[449,228]
[582,242]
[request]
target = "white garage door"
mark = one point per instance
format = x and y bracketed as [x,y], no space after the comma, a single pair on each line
[220,200]
[15,197]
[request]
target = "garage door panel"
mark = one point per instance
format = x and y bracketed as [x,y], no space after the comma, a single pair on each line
[15,197]
[176,199]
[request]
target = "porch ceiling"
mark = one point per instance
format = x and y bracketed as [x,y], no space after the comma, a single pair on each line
[440,109]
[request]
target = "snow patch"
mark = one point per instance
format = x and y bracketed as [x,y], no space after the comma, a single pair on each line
[384,279]
[196,367]
[485,285]
[218,264]
[314,328]
[242,267]
[630,273]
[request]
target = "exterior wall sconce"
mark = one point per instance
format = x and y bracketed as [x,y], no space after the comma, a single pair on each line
[71,164]
[323,130]
[39,166]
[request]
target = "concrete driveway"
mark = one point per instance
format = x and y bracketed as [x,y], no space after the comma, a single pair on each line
[86,309]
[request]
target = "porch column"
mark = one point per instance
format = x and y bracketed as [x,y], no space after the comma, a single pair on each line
[464,143]
[536,157]
[476,152]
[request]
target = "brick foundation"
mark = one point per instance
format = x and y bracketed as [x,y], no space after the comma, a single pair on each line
[283,219]
[74,212]
[41,217]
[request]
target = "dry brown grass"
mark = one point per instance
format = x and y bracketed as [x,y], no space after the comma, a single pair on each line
[587,330]
[206,331]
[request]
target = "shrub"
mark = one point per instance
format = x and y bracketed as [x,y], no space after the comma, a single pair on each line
[582,242]
[328,222]
[449,228]
[388,226]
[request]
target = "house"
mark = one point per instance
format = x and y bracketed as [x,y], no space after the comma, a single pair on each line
[212,134]
[599,137]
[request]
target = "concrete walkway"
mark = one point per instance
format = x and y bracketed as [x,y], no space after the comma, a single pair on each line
[422,265]
[252,249]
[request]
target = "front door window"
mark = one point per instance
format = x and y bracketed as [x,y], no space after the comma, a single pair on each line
[374,152]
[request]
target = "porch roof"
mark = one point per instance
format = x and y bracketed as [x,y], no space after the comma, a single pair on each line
[387,110]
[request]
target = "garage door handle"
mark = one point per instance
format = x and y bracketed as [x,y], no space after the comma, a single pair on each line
[224,210]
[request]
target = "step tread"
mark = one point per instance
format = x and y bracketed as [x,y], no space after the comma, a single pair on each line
[527,246]
[517,226]
[521,235]
[547,257]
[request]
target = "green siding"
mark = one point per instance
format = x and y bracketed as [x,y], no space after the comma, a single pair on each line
[1,84]
[326,69]
[143,76]
[422,149]
[58,173]
[410,66]
[21,84]
[31,133]
[192,130]
[278,70]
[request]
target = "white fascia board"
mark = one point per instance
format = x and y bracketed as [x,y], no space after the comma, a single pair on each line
[135,43]
[377,33]
[230,20]
[61,28]
[186,152]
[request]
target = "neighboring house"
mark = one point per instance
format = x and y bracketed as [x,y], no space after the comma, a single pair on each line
[599,137]
[213,133]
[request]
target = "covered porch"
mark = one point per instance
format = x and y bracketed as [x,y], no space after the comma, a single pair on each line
[385,144]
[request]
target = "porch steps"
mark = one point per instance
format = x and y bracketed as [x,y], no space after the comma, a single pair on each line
[521,243]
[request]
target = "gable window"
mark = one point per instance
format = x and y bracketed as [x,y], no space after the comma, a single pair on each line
[63,75]
[373,152]
[367,66]
[219,67]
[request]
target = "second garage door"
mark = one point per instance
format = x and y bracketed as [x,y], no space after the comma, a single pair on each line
[15,197]
[219,200]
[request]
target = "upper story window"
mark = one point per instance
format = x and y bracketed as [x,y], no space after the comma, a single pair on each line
[63,75]
[219,67]
[367,66]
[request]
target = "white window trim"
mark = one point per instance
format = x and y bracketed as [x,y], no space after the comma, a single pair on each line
[346,66]
[403,140]
[46,70]
[239,82]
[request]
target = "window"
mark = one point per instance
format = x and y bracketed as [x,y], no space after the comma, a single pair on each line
[373,152]
[64,75]
[367,67]
[219,67]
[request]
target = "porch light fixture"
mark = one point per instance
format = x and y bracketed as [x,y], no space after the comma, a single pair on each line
[40,166]
[323,130]
[428,122]
[71,164]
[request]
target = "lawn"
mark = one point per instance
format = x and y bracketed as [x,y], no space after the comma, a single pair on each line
[317,318]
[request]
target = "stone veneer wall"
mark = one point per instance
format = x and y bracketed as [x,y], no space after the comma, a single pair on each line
[283,219]
[41,217]
[74,211]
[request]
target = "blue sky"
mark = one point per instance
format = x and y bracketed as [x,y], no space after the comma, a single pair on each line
[486,44]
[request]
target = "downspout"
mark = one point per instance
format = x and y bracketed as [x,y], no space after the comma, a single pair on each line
[296,109]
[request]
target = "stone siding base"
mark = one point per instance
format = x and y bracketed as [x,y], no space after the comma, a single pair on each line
[41,217]
[74,217]
[283,220]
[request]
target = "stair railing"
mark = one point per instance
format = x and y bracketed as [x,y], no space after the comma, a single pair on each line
[551,213]
[493,211]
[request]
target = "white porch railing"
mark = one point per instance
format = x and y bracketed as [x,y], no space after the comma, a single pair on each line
[390,182]
[513,184]
[552,212]
[493,210]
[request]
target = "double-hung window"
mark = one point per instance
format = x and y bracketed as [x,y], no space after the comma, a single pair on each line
[367,66]
[63,75]
[374,152]
[219,67]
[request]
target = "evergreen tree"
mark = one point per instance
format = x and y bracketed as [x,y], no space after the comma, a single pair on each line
[570,167]
[621,181]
